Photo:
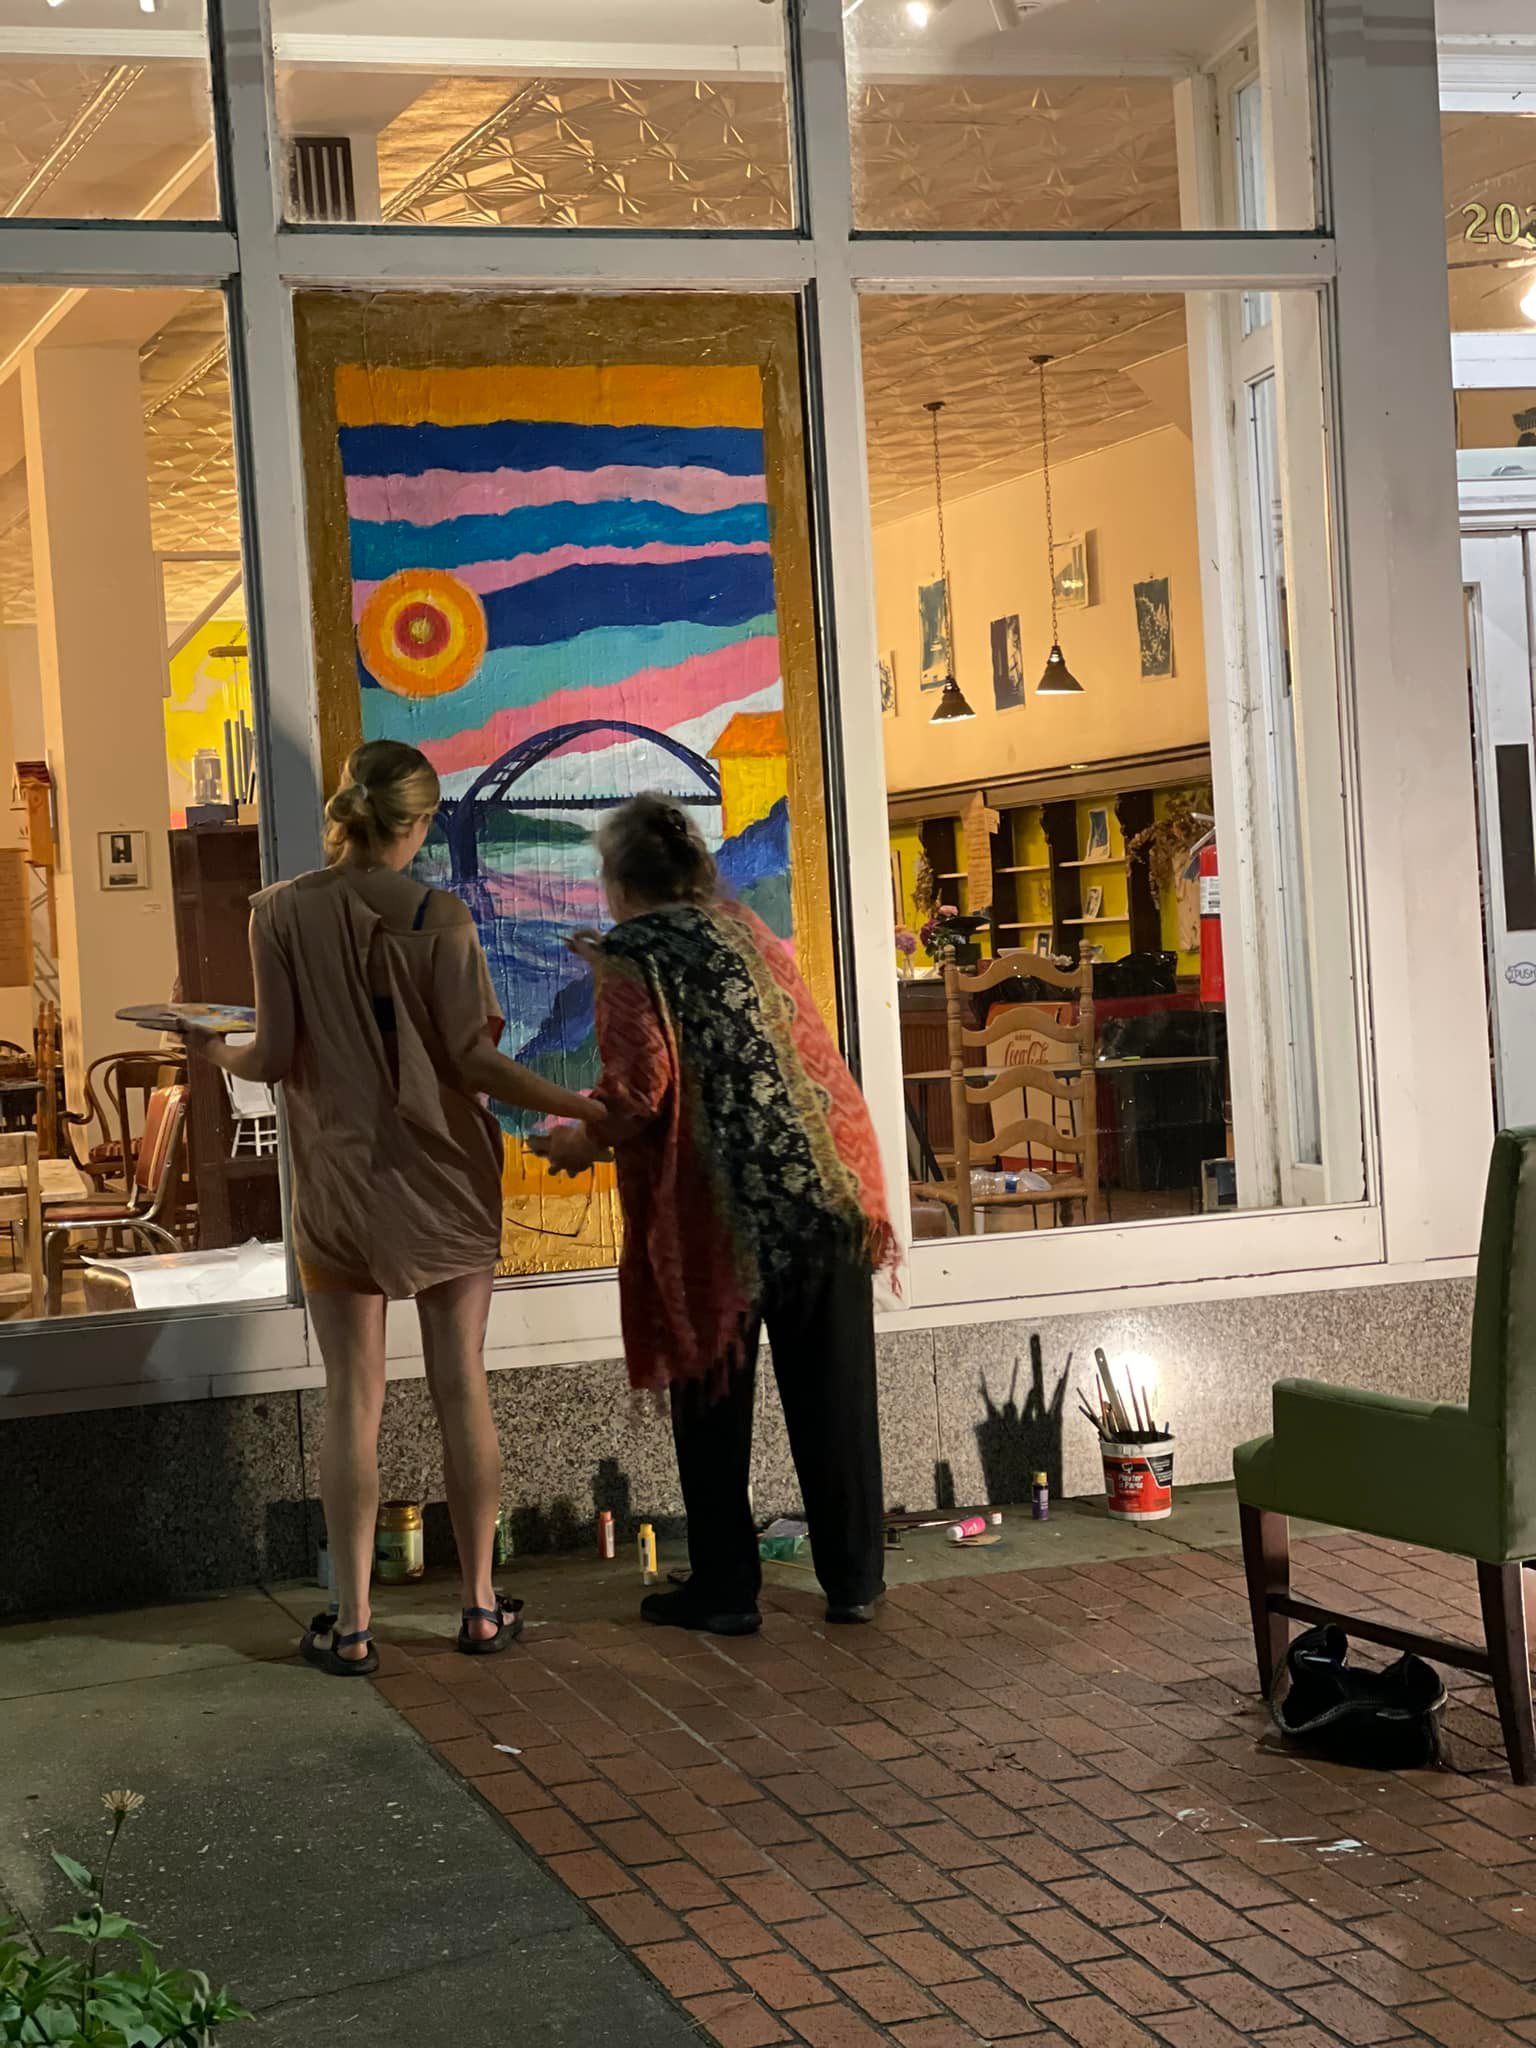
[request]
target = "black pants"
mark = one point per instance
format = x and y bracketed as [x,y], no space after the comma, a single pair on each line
[821,1328]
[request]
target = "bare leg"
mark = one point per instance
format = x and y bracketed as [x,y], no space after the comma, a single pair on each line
[453,1320]
[350,1332]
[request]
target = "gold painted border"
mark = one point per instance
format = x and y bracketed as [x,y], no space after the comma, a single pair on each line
[420,330]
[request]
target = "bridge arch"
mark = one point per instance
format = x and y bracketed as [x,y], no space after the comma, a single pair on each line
[492,784]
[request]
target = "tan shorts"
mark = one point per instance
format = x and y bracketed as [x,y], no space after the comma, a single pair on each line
[331,1280]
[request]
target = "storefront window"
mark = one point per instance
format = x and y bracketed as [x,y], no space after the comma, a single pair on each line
[130,846]
[1071,116]
[106,117]
[1114,1002]
[542,115]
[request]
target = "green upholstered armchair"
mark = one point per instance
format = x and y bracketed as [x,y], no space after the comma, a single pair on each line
[1460,1480]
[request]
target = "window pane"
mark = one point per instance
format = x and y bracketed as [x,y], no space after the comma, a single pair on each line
[602,502]
[1067,115]
[106,117]
[125,700]
[546,115]
[1106,783]
[1490,219]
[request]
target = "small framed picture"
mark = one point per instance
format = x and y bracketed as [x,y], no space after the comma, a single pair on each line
[1093,904]
[124,858]
[1072,570]
[888,686]
[1045,945]
[1098,833]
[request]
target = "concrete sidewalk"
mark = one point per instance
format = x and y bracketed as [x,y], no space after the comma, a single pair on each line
[300,1841]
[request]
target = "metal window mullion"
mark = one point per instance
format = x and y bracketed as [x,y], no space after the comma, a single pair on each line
[264,394]
[127,253]
[510,258]
[1097,263]
[838,432]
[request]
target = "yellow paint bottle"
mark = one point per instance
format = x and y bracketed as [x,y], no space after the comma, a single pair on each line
[646,1544]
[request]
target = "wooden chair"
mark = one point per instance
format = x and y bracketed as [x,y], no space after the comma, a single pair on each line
[149,1205]
[21,1211]
[118,1088]
[1073,1175]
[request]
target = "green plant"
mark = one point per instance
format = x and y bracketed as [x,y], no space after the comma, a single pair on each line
[69,2001]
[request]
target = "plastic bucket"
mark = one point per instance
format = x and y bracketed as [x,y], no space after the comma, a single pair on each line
[1138,1479]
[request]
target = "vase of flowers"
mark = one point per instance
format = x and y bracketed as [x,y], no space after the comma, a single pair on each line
[949,936]
[906,948]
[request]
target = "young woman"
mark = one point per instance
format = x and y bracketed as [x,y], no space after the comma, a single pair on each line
[375,1009]
[752,1195]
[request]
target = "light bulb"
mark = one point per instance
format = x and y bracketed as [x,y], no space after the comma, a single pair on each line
[1528,303]
[919,13]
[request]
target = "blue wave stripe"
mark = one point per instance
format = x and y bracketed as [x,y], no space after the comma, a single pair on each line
[378,550]
[720,592]
[532,444]
[510,677]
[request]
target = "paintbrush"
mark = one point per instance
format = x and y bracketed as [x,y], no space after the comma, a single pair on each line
[1122,1421]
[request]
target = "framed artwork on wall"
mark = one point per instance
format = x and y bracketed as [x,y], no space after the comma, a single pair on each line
[1154,627]
[888,685]
[562,545]
[1007,664]
[1093,903]
[938,661]
[1072,569]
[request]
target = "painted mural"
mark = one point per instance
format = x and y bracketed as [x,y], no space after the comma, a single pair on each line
[561,586]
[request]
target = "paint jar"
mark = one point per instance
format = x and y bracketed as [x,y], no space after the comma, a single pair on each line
[606,1541]
[501,1544]
[397,1542]
[645,1544]
[1040,1498]
[1138,1478]
[964,1532]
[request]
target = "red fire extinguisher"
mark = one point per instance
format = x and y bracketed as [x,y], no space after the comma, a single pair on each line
[1213,979]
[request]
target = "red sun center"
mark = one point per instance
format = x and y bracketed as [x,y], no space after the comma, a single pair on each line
[421,630]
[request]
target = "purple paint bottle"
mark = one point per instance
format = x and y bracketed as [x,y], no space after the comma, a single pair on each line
[1040,1498]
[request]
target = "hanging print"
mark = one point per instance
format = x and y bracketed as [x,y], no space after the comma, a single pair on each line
[561,546]
[938,660]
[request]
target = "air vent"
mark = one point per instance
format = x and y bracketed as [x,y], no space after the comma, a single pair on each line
[320,178]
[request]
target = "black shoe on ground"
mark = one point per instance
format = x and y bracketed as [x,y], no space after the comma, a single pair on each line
[683,1608]
[852,1611]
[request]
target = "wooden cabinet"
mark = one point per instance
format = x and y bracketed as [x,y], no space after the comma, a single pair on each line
[215,871]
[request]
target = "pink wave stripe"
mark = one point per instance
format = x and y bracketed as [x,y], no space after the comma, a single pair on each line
[658,697]
[439,494]
[485,577]
[521,893]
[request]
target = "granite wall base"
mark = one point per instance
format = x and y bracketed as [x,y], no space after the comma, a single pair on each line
[131,1505]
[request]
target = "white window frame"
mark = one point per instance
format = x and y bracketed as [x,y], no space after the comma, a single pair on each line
[1379,274]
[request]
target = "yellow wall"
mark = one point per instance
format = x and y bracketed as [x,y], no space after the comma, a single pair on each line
[1139,501]
[203,694]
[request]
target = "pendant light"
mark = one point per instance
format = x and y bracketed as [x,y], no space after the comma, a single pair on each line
[951,702]
[1056,679]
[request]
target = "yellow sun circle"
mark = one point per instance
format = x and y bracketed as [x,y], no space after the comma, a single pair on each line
[422,633]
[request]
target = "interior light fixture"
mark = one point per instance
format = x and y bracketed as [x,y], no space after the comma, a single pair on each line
[919,13]
[951,702]
[1056,679]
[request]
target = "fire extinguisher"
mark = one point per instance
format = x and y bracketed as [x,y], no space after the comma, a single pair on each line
[1213,979]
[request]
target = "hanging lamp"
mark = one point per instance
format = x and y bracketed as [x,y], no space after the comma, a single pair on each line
[951,702]
[1056,679]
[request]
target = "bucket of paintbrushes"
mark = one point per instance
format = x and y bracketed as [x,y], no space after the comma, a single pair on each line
[1138,1478]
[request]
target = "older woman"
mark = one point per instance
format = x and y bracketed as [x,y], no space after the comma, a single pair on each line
[752,1194]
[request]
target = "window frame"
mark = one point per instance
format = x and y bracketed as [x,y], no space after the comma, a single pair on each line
[1377,269]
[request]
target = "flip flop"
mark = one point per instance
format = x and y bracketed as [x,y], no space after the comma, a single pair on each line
[324,1656]
[508,1617]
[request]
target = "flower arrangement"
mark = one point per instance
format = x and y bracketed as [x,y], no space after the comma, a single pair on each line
[947,935]
[906,947]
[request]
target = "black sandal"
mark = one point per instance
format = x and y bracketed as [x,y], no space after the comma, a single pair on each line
[508,1617]
[325,1657]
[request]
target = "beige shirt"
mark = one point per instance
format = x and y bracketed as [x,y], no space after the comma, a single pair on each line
[397,1166]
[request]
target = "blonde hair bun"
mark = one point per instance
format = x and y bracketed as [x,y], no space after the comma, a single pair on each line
[386,788]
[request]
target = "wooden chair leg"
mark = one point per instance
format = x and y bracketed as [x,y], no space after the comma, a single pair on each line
[1501,1588]
[1267,1566]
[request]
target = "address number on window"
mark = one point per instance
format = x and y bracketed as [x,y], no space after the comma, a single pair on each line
[1505,223]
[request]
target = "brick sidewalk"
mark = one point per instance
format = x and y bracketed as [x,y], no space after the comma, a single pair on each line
[1037,1807]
